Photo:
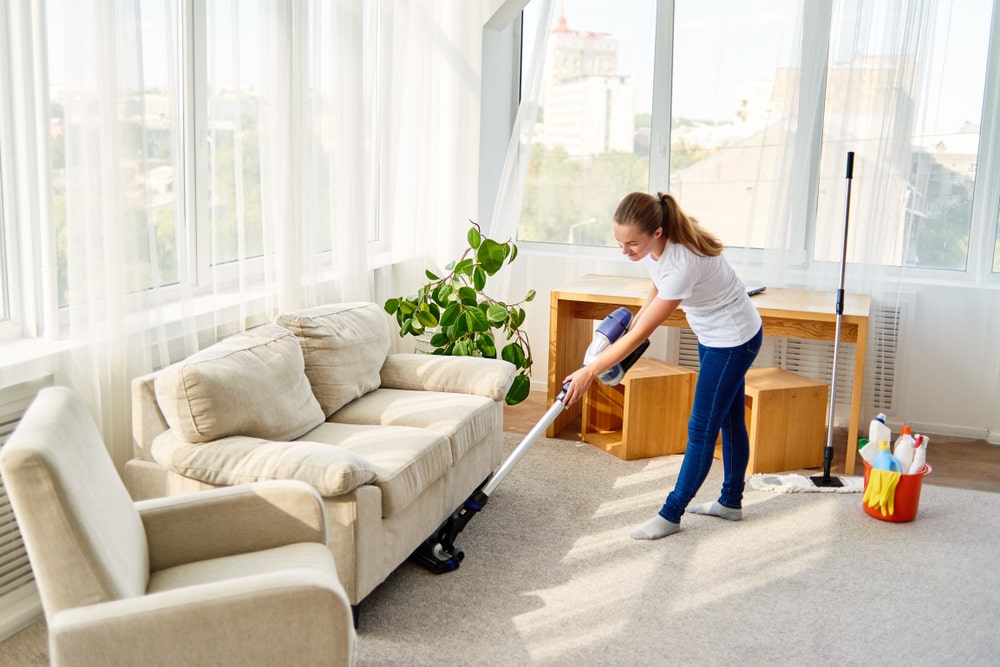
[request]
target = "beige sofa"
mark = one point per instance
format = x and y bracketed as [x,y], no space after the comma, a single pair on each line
[394,443]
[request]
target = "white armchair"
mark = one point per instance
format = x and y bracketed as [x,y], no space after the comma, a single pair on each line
[237,575]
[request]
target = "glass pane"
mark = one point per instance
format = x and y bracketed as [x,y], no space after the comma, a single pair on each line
[591,146]
[996,248]
[234,45]
[921,84]
[140,140]
[735,87]
[159,128]
[4,296]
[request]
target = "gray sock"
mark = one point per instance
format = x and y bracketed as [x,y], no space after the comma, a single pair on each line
[715,509]
[655,528]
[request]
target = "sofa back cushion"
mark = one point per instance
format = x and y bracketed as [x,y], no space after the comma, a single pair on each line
[251,384]
[344,346]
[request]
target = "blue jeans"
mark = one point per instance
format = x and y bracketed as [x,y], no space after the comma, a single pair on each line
[719,403]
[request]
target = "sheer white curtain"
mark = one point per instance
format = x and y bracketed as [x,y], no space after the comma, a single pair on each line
[507,207]
[143,260]
[428,104]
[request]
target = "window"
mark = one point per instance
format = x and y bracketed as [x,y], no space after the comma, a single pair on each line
[735,85]
[233,45]
[926,211]
[766,97]
[142,148]
[4,290]
[592,141]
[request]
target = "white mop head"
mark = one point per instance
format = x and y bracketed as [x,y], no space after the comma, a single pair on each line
[794,483]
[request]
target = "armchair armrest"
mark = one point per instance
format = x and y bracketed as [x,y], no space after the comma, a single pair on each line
[231,520]
[461,375]
[294,616]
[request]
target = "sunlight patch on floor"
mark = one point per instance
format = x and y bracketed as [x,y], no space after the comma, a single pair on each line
[583,612]
[765,563]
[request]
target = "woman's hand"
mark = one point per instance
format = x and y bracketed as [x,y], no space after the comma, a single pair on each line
[579,381]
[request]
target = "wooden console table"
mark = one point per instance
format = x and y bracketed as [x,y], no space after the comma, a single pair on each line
[785,312]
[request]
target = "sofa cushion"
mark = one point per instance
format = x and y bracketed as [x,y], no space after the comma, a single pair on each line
[330,469]
[464,418]
[249,384]
[406,460]
[344,346]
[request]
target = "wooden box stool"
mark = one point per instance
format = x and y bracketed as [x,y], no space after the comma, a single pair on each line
[645,415]
[786,420]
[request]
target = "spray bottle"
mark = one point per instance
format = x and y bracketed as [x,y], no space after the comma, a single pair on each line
[919,454]
[903,449]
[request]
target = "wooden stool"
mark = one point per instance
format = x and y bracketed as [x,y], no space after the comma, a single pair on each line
[786,420]
[645,415]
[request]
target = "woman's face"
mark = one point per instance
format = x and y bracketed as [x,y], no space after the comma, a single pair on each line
[635,243]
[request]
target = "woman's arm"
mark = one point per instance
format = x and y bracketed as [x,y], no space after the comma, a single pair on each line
[650,316]
[649,299]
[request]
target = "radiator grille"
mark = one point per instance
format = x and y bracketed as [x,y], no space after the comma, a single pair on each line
[15,572]
[814,358]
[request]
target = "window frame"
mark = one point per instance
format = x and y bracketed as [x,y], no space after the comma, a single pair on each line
[817,18]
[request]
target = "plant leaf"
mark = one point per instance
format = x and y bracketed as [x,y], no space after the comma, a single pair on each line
[491,255]
[391,305]
[467,296]
[513,353]
[474,237]
[478,320]
[426,318]
[487,346]
[450,314]
[496,313]
[479,278]
[519,389]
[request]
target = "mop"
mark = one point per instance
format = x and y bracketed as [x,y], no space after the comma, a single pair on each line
[824,482]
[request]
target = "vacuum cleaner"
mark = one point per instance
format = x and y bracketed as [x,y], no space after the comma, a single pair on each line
[438,552]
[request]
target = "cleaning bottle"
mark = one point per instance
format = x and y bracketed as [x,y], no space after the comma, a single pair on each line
[868,450]
[885,460]
[902,451]
[919,454]
[878,431]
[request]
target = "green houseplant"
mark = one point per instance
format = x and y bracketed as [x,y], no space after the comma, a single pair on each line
[462,319]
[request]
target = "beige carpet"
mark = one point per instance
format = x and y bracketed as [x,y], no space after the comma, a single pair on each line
[551,577]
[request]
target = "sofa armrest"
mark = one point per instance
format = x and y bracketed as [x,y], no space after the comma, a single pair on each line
[294,616]
[147,419]
[461,375]
[231,520]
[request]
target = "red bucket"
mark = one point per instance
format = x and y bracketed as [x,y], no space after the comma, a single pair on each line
[907,497]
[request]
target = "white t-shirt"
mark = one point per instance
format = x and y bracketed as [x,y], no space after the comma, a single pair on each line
[713,298]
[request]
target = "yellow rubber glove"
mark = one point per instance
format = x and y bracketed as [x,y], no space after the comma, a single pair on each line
[881,490]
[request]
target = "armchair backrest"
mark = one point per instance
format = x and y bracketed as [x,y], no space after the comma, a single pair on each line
[84,537]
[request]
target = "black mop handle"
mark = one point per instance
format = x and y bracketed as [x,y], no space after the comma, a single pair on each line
[826,480]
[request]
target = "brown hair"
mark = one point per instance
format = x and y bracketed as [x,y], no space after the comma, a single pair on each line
[650,213]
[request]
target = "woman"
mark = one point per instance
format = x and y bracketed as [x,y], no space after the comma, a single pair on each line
[686,266]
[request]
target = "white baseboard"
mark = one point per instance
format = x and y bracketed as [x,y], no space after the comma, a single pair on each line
[18,610]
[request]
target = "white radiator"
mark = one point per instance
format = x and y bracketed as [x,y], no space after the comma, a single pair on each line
[814,359]
[19,603]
